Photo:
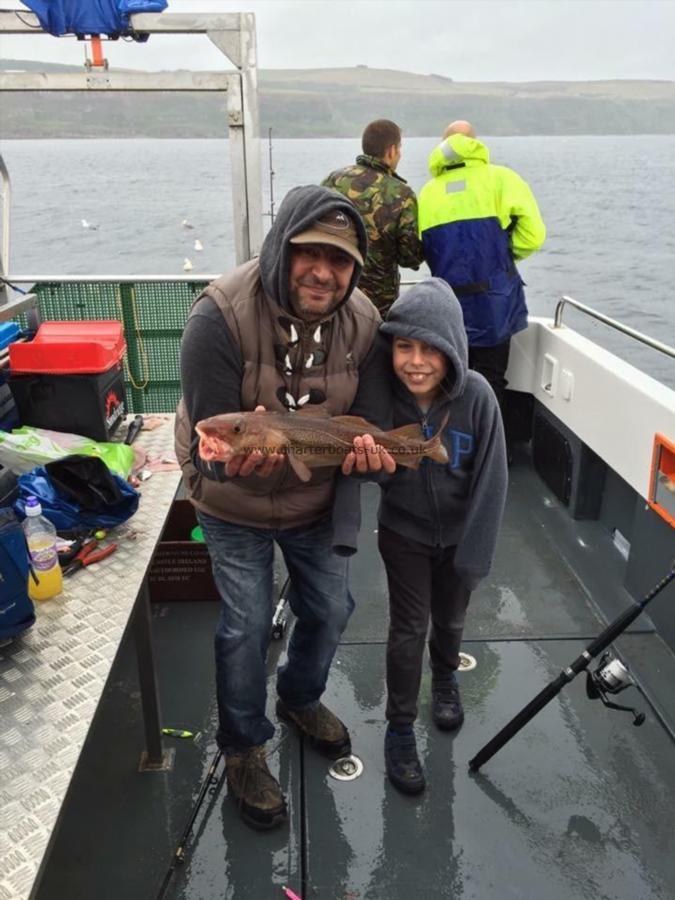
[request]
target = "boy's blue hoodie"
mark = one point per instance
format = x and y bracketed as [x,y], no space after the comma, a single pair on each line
[459,504]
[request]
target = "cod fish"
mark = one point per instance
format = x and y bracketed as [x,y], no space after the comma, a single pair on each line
[311,439]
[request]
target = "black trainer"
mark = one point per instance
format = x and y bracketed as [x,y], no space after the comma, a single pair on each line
[254,789]
[446,705]
[402,763]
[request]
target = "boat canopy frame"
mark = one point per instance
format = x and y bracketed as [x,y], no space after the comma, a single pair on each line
[235,36]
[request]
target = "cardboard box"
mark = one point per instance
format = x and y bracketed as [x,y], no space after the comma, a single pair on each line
[181,567]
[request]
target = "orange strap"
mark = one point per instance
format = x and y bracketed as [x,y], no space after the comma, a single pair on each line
[97,51]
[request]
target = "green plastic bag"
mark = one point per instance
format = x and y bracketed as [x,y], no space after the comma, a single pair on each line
[25,448]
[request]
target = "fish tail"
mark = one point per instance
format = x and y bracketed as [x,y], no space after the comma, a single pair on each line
[435,450]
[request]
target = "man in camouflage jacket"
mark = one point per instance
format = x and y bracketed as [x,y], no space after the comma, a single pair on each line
[388,208]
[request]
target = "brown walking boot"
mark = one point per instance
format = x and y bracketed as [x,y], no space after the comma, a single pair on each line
[254,789]
[325,731]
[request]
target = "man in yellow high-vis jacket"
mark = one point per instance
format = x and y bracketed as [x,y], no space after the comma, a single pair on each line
[476,220]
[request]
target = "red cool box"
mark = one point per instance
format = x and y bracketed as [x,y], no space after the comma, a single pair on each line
[70,378]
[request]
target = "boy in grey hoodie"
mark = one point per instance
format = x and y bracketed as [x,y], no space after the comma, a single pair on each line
[438,525]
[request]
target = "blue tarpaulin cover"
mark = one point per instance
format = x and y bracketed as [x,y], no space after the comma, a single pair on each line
[90,16]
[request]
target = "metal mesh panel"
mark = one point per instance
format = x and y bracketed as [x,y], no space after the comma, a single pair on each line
[77,301]
[162,352]
[155,398]
[164,305]
[153,315]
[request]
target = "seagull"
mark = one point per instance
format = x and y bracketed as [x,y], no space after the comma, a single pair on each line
[88,225]
[198,245]
[186,224]
[187,265]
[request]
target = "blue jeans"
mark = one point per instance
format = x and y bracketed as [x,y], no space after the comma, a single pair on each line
[242,561]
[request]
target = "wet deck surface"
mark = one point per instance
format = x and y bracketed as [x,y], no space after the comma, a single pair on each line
[578,804]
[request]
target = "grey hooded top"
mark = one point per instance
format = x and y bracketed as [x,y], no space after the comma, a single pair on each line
[459,504]
[300,209]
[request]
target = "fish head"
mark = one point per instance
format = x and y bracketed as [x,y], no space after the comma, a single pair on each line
[230,434]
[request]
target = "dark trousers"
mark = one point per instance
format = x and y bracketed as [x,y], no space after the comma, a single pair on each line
[492,363]
[422,583]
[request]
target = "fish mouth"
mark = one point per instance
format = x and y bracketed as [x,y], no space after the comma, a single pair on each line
[214,448]
[209,438]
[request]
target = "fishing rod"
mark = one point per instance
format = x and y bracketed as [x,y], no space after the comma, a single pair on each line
[272,173]
[212,784]
[610,677]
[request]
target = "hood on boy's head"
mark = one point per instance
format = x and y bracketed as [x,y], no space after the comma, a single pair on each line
[431,313]
[300,209]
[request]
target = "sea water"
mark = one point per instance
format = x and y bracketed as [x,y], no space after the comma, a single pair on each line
[608,203]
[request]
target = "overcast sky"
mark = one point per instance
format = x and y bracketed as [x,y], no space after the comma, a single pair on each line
[467,40]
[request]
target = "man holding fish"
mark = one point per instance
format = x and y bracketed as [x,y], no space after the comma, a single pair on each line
[282,370]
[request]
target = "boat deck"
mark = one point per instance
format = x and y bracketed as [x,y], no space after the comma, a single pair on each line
[578,804]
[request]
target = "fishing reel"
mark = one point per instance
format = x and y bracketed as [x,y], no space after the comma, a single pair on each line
[280,617]
[611,677]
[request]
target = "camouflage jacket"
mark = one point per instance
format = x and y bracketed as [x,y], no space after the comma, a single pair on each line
[388,208]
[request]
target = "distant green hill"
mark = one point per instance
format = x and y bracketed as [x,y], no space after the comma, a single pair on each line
[339,102]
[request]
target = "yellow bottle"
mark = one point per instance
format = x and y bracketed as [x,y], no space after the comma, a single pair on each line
[44,560]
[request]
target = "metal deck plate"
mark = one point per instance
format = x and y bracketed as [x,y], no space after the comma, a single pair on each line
[578,804]
[229,861]
[52,677]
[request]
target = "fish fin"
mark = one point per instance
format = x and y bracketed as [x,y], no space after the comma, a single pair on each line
[434,449]
[276,441]
[301,470]
[411,432]
[357,421]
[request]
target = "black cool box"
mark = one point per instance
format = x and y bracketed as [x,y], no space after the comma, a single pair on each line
[70,378]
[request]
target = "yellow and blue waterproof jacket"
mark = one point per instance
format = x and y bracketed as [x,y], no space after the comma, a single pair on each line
[475,220]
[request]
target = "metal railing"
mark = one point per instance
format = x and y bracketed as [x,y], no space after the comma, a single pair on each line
[234,35]
[613,323]
[25,304]
[111,279]
[6,196]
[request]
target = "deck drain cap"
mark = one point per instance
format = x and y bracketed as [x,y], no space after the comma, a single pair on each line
[466,662]
[346,769]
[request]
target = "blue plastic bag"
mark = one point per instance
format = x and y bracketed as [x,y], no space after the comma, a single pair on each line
[66,514]
[16,608]
[109,17]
